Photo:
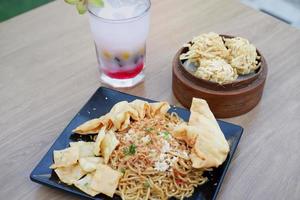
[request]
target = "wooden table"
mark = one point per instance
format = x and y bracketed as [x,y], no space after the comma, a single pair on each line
[48,70]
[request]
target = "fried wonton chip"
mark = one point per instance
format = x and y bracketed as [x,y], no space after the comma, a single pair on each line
[98,141]
[89,164]
[211,147]
[109,143]
[65,157]
[142,107]
[124,107]
[185,133]
[120,115]
[159,108]
[70,174]
[85,148]
[89,127]
[121,121]
[105,180]
[84,185]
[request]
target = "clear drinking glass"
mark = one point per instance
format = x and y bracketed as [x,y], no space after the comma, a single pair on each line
[120,30]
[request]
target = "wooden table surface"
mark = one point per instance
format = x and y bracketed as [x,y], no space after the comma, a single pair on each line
[48,70]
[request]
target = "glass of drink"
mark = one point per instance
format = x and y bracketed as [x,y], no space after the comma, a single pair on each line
[120,29]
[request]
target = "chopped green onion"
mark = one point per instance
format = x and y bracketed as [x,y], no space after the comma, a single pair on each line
[130,151]
[149,129]
[165,135]
[123,170]
[147,184]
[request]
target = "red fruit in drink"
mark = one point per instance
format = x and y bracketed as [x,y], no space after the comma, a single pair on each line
[124,74]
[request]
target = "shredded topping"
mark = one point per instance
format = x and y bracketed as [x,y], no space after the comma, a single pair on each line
[166,146]
[146,139]
[161,166]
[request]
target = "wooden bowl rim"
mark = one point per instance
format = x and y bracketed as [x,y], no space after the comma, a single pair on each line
[217,92]
[237,84]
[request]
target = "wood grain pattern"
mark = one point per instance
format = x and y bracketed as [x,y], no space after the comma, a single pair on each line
[48,70]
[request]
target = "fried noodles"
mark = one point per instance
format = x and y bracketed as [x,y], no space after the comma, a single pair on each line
[159,166]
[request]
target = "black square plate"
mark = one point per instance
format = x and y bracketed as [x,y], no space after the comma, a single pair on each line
[101,103]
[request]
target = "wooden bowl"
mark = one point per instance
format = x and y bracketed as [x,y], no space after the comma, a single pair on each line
[227,100]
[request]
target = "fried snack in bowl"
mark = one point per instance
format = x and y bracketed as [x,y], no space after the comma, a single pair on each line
[216,70]
[219,59]
[243,56]
[204,47]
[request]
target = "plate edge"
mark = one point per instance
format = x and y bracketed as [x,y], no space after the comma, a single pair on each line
[240,133]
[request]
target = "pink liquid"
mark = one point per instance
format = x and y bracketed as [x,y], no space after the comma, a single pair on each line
[124,74]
